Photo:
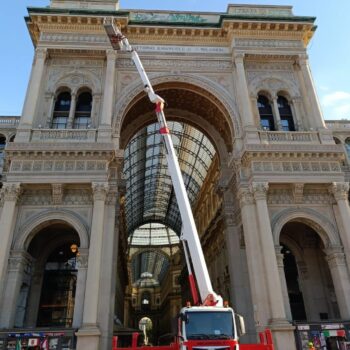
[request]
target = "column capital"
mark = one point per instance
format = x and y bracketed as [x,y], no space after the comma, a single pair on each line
[303,59]
[100,190]
[40,53]
[11,191]
[260,190]
[111,55]
[238,57]
[335,257]
[18,259]
[245,196]
[340,190]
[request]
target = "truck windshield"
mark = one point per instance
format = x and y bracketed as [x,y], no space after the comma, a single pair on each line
[209,325]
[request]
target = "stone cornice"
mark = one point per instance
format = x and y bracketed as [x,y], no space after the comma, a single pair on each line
[212,28]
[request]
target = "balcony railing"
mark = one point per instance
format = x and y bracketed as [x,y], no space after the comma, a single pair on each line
[338,124]
[57,135]
[310,137]
[9,121]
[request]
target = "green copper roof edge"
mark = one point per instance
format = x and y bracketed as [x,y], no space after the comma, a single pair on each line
[210,24]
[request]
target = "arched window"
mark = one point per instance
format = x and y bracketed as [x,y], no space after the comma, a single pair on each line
[286,115]
[265,112]
[61,111]
[82,117]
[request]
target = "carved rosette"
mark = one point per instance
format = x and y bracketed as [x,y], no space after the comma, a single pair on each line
[245,197]
[260,190]
[11,191]
[340,190]
[100,190]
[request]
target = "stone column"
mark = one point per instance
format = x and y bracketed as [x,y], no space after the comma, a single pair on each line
[109,271]
[311,92]
[32,96]
[10,192]
[88,337]
[17,263]
[337,265]
[283,331]
[340,191]
[73,104]
[254,259]
[280,265]
[82,265]
[242,91]
[105,126]
[239,284]
[276,114]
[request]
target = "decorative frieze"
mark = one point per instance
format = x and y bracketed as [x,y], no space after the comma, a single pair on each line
[77,197]
[181,64]
[268,43]
[280,196]
[74,38]
[301,167]
[60,166]
[37,197]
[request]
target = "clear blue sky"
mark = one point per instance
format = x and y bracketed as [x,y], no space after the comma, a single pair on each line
[329,50]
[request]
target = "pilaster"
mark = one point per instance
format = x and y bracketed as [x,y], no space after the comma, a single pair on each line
[32,96]
[89,334]
[341,281]
[283,330]
[243,94]
[317,116]
[17,263]
[104,129]
[340,191]
[10,193]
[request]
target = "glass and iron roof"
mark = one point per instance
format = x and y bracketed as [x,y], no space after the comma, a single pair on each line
[149,192]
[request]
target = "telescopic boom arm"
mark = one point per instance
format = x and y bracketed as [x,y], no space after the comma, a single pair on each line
[189,231]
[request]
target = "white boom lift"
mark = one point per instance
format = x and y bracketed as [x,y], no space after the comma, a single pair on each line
[208,323]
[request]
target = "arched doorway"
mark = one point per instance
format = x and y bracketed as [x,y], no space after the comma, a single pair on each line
[202,133]
[310,288]
[47,294]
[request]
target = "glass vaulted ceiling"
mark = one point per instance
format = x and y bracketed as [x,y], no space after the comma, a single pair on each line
[149,192]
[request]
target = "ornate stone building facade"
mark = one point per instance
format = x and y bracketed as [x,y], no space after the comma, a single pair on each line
[85,175]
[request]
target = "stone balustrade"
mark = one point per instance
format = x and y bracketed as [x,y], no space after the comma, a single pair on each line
[338,124]
[310,137]
[9,121]
[64,135]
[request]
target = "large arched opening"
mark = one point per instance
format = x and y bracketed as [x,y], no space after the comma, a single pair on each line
[309,281]
[202,132]
[49,281]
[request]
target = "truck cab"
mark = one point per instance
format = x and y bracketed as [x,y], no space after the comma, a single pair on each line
[207,327]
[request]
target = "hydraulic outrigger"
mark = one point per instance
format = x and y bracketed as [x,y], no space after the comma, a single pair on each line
[208,323]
